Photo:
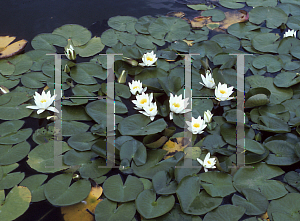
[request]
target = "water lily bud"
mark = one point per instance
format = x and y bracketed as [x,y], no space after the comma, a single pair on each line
[3,90]
[130,61]
[258,137]
[70,51]
[67,69]
[122,77]
[53,118]
[76,176]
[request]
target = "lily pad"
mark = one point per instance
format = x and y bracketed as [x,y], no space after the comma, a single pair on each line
[150,207]
[225,213]
[78,34]
[255,202]
[66,195]
[120,22]
[266,42]
[10,155]
[233,4]
[15,204]
[47,41]
[162,183]
[193,202]
[135,150]
[34,79]
[114,189]
[258,178]
[108,210]
[35,184]
[94,46]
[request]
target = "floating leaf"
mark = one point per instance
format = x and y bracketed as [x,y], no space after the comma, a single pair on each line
[135,150]
[193,202]
[162,183]
[258,178]
[225,213]
[217,15]
[120,22]
[255,202]
[78,212]
[7,49]
[78,34]
[264,3]
[35,184]
[201,7]
[108,210]
[150,207]
[94,46]
[10,155]
[232,4]
[15,204]
[34,79]
[109,37]
[266,42]
[115,190]
[274,16]
[47,41]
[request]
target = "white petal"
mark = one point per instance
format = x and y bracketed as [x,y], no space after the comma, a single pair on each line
[53,109]
[205,169]
[40,111]
[200,161]
[33,107]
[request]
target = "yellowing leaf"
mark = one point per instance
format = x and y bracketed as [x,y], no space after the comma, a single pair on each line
[7,49]
[230,18]
[189,42]
[78,212]
[173,147]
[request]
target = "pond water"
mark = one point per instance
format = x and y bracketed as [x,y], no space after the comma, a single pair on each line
[28,18]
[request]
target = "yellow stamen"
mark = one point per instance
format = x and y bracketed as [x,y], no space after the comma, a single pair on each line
[222,92]
[196,125]
[208,162]
[151,109]
[135,87]
[149,59]
[43,100]
[144,100]
[176,104]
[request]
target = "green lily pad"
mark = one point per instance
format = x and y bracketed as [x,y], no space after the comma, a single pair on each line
[138,125]
[35,184]
[226,41]
[15,204]
[217,15]
[6,67]
[283,153]
[41,158]
[66,195]
[154,141]
[83,73]
[272,63]
[34,79]
[150,207]
[162,183]
[266,42]
[94,46]
[120,22]
[180,172]
[43,135]
[143,23]
[38,57]
[135,150]
[293,179]
[193,202]
[293,22]
[110,37]
[217,184]
[206,48]
[10,155]
[78,34]
[16,137]
[21,62]
[169,28]
[264,3]
[127,38]
[9,180]
[254,146]
[255,202]
[108,210]
[225,213]
[47,41]
[228,132]
[258,178]
[153,164]
[82,141]
[114,189]
[242,30]
[274,16]
[278,95]
[272,124]
[285,208]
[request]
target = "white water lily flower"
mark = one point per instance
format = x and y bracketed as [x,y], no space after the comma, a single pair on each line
[208,116]
[142,100]
[222,93]
[208,81]
[136,86]
[289,33]
[43,102]
[148,59]
[150,111]
[70,52]
[208,162]
[178,105]
[196,126]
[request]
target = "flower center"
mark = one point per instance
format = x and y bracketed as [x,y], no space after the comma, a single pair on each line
[149,59]
[196,125]
[211,81]
[208,162]
[43,100]
[151,109]
[176,104]
[135,87]
[144,100]
[222,92]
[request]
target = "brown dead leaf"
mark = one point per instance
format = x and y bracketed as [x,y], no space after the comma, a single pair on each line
[265,216]
[7,49]
[176,14]
[174,146]
[230,18]
[78,211]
